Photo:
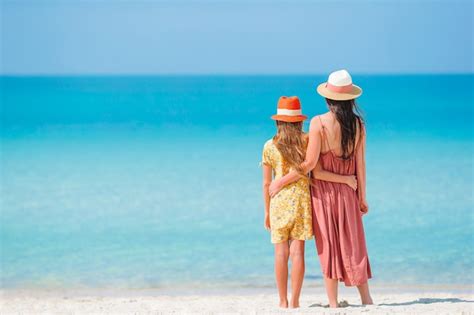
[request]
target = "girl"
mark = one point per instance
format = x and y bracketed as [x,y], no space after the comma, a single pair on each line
[338,136]
[288,213]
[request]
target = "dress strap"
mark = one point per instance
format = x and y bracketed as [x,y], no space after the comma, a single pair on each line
[324,133]
[361,130]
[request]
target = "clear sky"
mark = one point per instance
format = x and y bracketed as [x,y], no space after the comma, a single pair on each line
[235,37]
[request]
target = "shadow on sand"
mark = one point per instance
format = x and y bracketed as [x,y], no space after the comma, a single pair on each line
[428,301]
[419,301]
[342,303]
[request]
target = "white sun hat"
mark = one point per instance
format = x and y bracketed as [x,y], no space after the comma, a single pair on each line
[339,87]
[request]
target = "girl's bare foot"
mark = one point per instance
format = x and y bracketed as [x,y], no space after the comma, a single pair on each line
[284,303]
[297,271]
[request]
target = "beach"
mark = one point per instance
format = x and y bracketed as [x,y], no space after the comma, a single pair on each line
[388,301]
[132,137]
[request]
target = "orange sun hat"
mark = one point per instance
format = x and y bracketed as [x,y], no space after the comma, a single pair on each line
[289,109]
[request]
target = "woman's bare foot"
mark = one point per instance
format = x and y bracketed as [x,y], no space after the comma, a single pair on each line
[331,290]
[294,304]
[365,294]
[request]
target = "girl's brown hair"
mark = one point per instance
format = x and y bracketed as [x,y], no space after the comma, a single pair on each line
[291,141]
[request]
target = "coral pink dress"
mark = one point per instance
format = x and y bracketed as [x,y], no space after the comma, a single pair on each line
[337,223]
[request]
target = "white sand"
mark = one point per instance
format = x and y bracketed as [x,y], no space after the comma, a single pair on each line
[423,302]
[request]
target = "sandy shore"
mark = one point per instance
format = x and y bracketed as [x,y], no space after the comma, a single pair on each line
[312,301]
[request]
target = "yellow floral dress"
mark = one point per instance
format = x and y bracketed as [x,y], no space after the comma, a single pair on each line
[290,209]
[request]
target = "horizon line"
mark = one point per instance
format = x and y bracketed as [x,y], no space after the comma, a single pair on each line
[225,74]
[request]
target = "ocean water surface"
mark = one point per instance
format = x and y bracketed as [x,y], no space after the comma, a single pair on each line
[154,182]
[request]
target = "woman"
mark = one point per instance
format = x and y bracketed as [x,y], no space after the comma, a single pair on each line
[337,144]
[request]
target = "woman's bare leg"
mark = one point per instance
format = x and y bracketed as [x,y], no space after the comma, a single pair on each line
[365,294]
[297,271]
[281,271]
[331,290]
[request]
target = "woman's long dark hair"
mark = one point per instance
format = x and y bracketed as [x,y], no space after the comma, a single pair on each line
[349,116]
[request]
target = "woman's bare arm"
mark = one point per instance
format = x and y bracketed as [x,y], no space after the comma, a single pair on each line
[312,156]
[360,172]
[267,179]
[321,174]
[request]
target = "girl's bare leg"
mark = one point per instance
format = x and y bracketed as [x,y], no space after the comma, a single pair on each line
[297,271]
[331,290]
[281,271]
[365,294]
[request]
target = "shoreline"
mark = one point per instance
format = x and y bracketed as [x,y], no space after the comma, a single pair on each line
[227,290]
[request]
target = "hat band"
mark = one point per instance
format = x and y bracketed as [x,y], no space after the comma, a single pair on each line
[339,89]
[289,112]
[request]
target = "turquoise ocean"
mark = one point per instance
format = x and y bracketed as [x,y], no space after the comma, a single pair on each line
[153,182]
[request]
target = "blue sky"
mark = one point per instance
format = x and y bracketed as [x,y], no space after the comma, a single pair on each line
[235,37]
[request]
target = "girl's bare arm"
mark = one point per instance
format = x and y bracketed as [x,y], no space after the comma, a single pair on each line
[267,179]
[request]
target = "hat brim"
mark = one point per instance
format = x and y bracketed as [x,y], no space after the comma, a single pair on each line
[325,92]
[289,118]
